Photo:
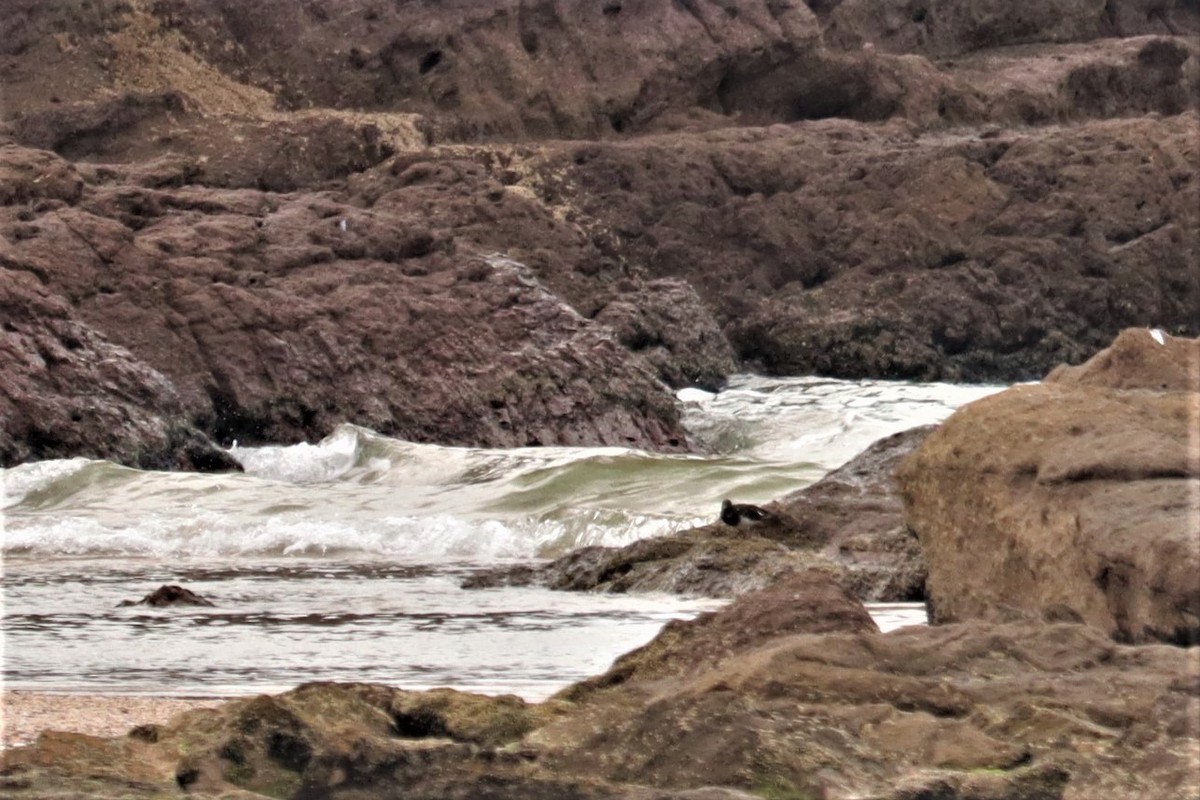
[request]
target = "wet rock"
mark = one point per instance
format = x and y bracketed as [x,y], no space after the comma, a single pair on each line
[832,185]
[462,717]
[803,602]
[789,690]
[705,562]
[857,512]
[849,524]
[169,595]
[1071,499]
[275,318]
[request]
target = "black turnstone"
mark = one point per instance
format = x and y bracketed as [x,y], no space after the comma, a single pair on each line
[735,514]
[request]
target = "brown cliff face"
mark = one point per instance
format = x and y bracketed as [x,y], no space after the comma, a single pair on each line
[865,188]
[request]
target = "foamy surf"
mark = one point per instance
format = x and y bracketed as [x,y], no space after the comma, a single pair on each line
[342,559]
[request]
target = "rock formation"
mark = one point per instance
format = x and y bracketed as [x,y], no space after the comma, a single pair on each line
[289,216]
[169,595]
[1077,498]
[68,391]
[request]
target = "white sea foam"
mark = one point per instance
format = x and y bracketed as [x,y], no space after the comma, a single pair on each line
[359,492]
[331,458]
[438,537]
[342,559]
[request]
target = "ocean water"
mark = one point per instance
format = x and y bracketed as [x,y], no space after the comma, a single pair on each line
[342,560]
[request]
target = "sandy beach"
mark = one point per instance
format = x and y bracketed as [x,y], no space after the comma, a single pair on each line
[23,715]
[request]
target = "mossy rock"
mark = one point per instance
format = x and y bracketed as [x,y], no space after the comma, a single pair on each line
[462,716]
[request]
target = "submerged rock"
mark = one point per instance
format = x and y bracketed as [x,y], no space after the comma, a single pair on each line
[1077,498]
[169,595]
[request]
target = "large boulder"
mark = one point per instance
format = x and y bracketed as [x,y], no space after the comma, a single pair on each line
[961,712]
[1077,498]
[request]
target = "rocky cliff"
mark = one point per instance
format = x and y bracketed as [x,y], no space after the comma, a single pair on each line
[294,212]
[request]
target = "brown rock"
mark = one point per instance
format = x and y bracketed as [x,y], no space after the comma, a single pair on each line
[960,711]
[68,391]
[927,244]
[278,317]
[856,510]
[1075,498]
[666,322]
[28,176]
[785,692]
[804,602]
[850,250]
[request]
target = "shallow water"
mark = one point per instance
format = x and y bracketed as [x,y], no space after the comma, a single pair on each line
[342,560]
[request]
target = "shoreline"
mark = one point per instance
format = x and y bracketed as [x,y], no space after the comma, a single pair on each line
[25,714]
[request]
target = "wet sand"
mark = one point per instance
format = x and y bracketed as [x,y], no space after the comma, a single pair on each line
[23,715]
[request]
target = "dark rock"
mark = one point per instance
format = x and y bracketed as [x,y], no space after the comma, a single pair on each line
[69,391]
[272,323]
[952,257]
[666,322]
[170,595]
[889,225]
[1074,498]
[857,512]
[462,717]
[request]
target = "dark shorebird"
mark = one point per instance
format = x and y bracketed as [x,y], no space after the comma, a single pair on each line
[738,514]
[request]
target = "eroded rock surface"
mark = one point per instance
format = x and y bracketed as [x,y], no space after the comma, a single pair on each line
[866,188]
[1075,498]
[276,317]
[68,391]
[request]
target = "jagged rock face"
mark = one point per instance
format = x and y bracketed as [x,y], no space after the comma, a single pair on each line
[973,710]
[852,251]
[68,391]
[889,227]
[277,317]
[1072,499]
